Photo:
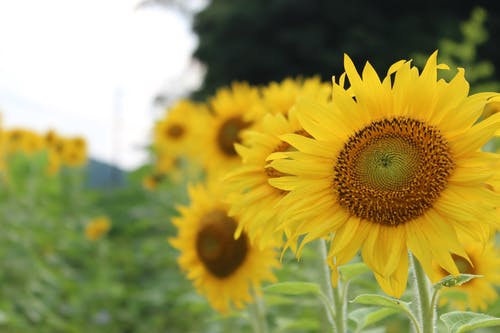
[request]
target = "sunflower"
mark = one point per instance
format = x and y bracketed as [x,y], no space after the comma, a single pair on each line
[392,166]
[249,193]
[178,133]
[281,97]
[151,182]
[73,151]
[22,140]
[233,110]
[53,143]
[177,168]
[222,268]
[483,260]
[97,227]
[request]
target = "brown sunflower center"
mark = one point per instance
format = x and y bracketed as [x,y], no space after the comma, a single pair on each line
[15,136]
[175,131]
[229,134]
[392,170]
[283,146]
[215,244]
[50,137]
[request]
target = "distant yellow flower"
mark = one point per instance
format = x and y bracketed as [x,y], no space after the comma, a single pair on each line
[64,151]
[394,164]
[178,134]
[50,138]
[73,151]
[22,140]
[485,261]
[151,182]
[280,97]
[97,228]
[222,268]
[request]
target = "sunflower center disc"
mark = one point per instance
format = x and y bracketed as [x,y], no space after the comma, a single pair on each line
[175,131]
[387,163]
[229,134]
[283,147]
[215,244]
[392,170]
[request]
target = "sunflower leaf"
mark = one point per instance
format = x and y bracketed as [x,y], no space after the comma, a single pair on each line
[464,321]
[386,302]
[350,271]
[294,288]
[381,300]
[365,317]
[452,281]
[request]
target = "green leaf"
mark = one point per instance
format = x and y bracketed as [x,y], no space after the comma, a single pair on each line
[294,288]
[381,300]
[365,317]
[459,322]
[386,302]
[351,271]
[452,281]
[301,324]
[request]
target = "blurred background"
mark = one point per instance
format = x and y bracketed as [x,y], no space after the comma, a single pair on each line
[106,71]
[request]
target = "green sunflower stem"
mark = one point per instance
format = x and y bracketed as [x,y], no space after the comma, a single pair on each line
[426,306]
[340,309]
[258,313]
[334,295]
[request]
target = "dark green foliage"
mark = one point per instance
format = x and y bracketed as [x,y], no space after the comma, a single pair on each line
[264,40]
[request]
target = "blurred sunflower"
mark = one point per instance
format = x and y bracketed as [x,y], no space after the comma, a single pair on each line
[73,151]
[250,196]
[233,110]
[96,228]
[485,261]
[177,168]
[280,97]
[21,140]
[222,268]
[151,182]
[249,192]
[178,133]
[393,165]
[52,139]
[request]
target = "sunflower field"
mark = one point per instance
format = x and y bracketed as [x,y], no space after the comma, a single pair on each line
[368,203]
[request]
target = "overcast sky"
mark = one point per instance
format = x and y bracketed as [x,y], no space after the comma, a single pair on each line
[90,68]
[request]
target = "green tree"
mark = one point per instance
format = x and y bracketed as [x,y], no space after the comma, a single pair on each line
[264,40]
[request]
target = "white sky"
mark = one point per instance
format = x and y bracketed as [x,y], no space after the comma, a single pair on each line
[90,68]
